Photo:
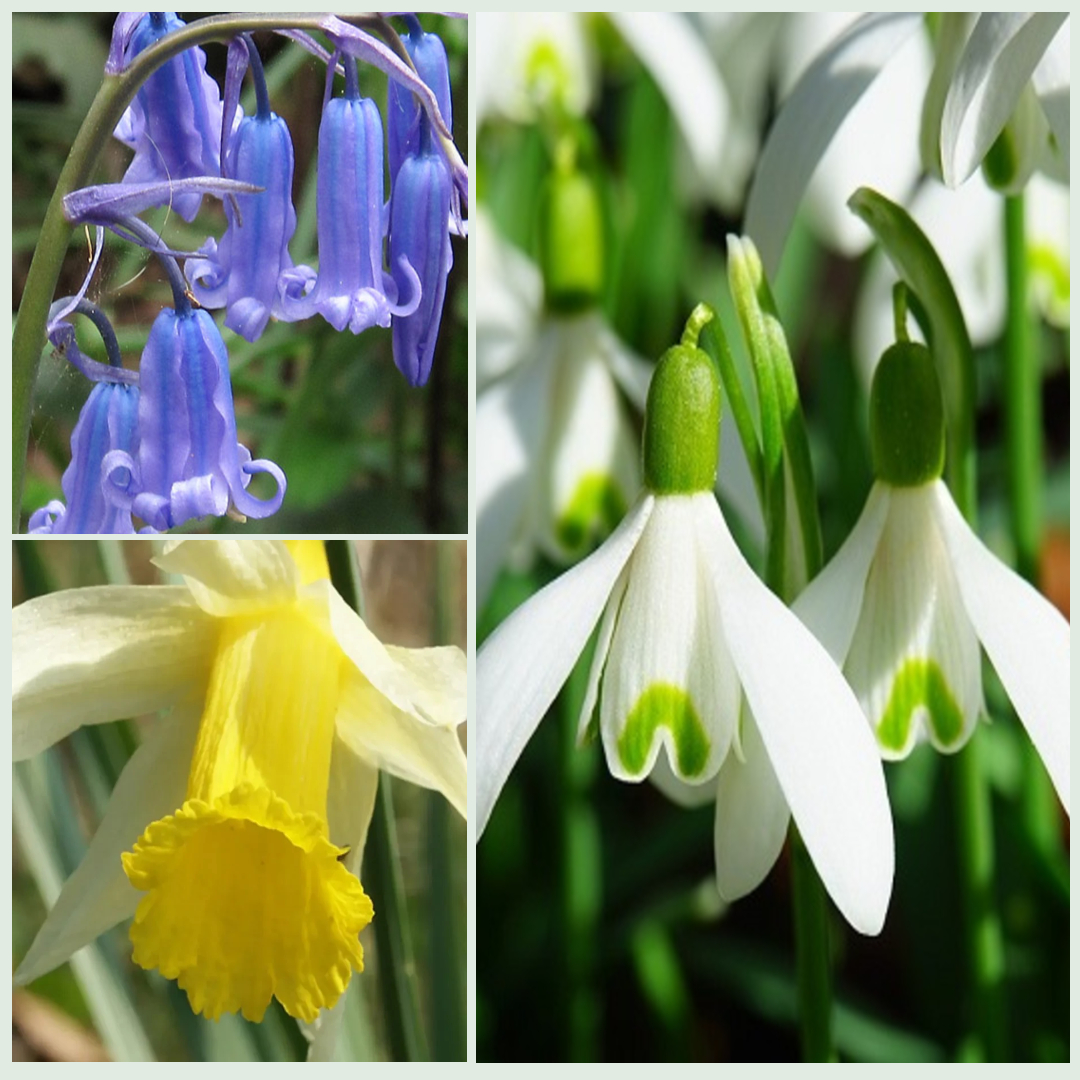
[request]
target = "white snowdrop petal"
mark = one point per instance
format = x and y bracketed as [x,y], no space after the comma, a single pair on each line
[511,417]
[914,659]
[814,732]
[1000,57]
[668,682]
[752,817]
[830,604]
[1025,636]
[810,118]
[593,455]
[522,666]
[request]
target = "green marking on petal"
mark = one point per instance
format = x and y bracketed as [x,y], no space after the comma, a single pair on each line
[593,511]
[920,684]
[664,705]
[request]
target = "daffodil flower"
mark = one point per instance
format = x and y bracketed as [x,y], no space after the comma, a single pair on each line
[907,600]
[698,666]
[234,834]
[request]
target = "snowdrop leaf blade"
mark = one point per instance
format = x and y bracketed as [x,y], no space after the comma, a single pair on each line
[677,59]
[525,662]
[816,736]
[98,895]
[808,121]
[752,818]
[1025,636]
[1001,55]
[87,656]
[829,606]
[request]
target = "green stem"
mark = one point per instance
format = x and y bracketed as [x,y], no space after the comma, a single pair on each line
[444,931]
[1023,407]
[986,950]
[396,962]
[813,963]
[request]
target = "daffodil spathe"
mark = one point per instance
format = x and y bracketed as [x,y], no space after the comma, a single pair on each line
[699,671]
[225,832]
[909,597]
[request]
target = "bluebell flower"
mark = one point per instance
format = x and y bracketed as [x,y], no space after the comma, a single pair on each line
[352,289]
[242,272]
[174,122]
[420,246]
[403,111]
[107,423]
[189,464]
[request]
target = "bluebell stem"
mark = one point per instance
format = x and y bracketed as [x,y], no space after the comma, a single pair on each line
[352,287]
[420,246]
[174,122]
[189,463]
[242,272]
[107,422]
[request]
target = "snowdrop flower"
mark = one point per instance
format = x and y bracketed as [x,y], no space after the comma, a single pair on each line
[557,466]
[234,833]
[910,596]
[970,95]
[700,666]
[532,63]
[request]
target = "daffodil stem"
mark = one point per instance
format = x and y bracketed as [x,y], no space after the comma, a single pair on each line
[397,966]
[444,926]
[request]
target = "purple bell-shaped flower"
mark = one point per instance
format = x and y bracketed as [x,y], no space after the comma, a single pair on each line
[242,273]
[351,289]
[174,122]
[189,463]
[403,111]
[106,423]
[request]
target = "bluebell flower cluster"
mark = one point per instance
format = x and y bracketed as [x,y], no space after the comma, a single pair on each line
[159,447]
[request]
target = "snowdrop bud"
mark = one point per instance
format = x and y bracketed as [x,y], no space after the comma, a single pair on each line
[571,242]
[907,418]
[681,440]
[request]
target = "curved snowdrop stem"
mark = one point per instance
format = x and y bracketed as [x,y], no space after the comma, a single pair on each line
[1025,636]
[809,119]
[1000,57]
[523,665]
[919,266]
